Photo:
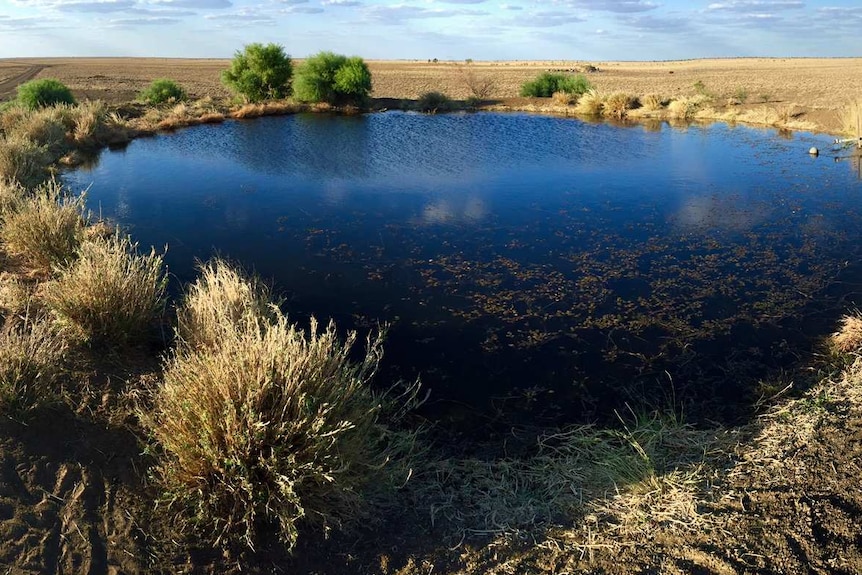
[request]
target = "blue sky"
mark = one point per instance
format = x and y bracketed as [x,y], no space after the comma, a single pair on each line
[444,29]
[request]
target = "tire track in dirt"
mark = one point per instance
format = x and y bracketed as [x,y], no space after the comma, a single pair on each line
[8,86]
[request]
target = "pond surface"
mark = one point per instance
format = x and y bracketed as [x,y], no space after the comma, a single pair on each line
[523,262]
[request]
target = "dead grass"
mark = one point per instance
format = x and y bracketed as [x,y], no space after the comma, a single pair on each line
[564,98]
[23,161]
[273,426]
[848,338]
[686,108]
[851,119]
[31,359]
[266,109]
[221,301]
[652,102]
[590,104]
[44,228]
[110,294]
[617,105]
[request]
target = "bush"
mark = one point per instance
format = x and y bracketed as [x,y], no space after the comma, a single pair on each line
[273,425]
[110,294]
[161,91]
[547,83]
[333,79]
[260,73]
[618,104]
[31,356]
[42,93]
[44,228]
[652,102]
[433,102]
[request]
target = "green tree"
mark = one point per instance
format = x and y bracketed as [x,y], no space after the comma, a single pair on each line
[332,78]
[546,84]
[45,92]
[260,72]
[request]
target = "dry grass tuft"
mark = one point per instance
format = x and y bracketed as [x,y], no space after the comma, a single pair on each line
[686,108]
[265,109]
[564,98]
[275,426]
[617,105]
[652,102]
[220,302]
[23,161]
[590,103]
[110,294]
[44,228]
[31,359]
[851,119]
[43,127]
[848,338]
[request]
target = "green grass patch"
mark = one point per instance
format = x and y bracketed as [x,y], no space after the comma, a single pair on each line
[548,83]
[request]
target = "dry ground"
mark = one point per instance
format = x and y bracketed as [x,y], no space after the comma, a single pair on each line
[816,88]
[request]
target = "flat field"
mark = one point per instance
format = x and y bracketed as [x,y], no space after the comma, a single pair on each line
[817,89]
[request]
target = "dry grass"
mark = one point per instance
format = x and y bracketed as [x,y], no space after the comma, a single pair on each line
[564,98]
[220,302]
[44,228]
[686,108]
[652,102]
[848,338]
[851,119]
[590,104]
[23,161]
[31,359]
[648,472]
[273,426]
[617,105]
[110,294]
[43,127]
[265,109]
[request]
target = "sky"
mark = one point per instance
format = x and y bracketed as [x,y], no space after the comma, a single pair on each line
[592,30]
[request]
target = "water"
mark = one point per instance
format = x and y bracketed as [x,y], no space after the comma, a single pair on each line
[526,264]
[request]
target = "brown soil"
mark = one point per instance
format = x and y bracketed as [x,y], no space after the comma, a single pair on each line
[74,490]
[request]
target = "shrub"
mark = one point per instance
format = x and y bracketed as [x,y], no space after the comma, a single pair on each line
[110,293]
[44,228]
[260,73]
[433,102]
[333,79]
[547,83]
[480,87]
[590,104]
[31,357]
[45,92]
[23,161]
[161,91]
[271,427]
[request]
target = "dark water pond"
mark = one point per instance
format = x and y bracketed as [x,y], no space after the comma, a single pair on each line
[524,262]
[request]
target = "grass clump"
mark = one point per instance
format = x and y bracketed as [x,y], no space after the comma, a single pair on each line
[23,161]
[333,79]
[269,426]
[433,102]
[162,91]
[43,93]
[851,119]
[31,358]
[222,301]
[564,98]
[110,294]
[548,83]
[617,105]
[686,108]
[44,228]
[848,338]
[652,102]
[590,104]
[260,73]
